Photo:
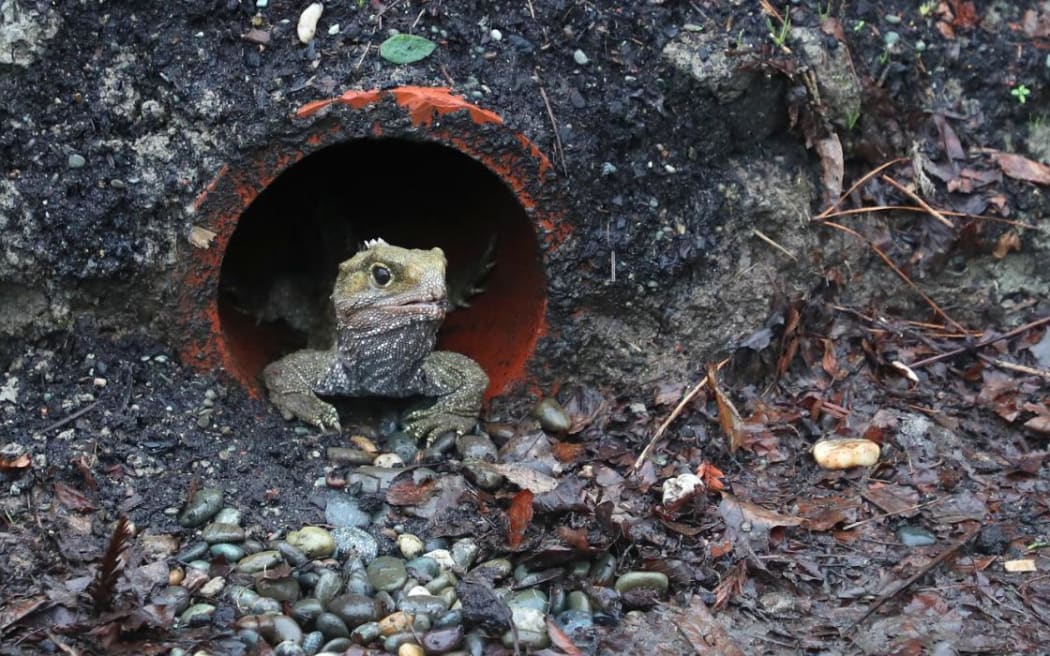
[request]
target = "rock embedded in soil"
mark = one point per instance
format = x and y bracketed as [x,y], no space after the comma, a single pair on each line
[634,580]
[552,416]
[204,504]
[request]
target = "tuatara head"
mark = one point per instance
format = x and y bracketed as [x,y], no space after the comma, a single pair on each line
[386,286]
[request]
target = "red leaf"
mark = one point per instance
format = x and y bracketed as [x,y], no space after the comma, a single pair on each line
[560,640]
[21,462]
[711,476]
[520,514]
[1022,168]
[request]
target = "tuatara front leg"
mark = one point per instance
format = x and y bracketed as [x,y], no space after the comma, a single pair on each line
[291,382]
[457,385]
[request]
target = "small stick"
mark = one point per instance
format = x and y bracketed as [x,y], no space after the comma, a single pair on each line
[1016,367]
[891,514]
[912,195]
[758,233]
[913,208]
[941,557]
[885,258]
[73,417]
[554,124]
[690,395]
[867,176]
[981,344]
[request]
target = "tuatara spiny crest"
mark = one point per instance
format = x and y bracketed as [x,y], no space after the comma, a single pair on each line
[389,303]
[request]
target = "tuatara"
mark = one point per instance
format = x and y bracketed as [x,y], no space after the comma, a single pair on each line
[389,303]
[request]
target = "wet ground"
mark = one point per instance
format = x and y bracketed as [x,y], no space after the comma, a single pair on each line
[939,548]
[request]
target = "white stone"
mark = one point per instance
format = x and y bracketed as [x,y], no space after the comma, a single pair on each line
[307,27]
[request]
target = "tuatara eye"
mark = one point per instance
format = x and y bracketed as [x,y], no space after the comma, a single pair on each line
[381,275]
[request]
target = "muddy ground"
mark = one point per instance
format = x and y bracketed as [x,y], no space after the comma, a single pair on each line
[118,115]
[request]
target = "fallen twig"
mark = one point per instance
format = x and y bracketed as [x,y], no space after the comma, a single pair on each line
[1020,368]
[923,571]
[864,178]
[758,233]
[73,417]
[981,344]
[554,124]
[912,195]
[689,396]
[886,258]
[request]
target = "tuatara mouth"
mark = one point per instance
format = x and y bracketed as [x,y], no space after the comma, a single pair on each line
[429,309]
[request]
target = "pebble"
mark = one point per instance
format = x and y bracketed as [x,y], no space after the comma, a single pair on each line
[174,596]
[307,610]
[844,453]
[443,557]
[192,552]
[285,588]
[275,628]
[354,609]
[423,604]
[307,27]
[293,554]
[228,515]
[257,562]
[552,416]
[476,447]
[387,573]
[197,615]
[423,568]
[332,626]
[76,161]
[213,587]
[366,633]
[328,586]
[608,168]
[580,57]
[312,642]
[204,504]
[342,455]
[634,580]
[398,622]
[464,552]
[410,545]
[342,510]
[409,649]
[403,445]
[314,541]
[532,629]
[389,460]
[914,536]
[496,35]
[220,532]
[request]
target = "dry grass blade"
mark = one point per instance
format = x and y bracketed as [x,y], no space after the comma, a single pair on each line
[101,588]
[912,195]
[856,185]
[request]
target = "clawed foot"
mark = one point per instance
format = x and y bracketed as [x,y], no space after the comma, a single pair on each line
[307,408]
[424,423]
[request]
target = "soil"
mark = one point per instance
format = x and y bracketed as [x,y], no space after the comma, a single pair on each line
[660,176]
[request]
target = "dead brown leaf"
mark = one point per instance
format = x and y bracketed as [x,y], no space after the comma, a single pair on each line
[832,166]
[728,417]
[73,499]
[1009,241]
[560,640]
[21,462]
[711,476]
[705,633]
[519,516]
[407,493]
[1022,168]
[1039,423]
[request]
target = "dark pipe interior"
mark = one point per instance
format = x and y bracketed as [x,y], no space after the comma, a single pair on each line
[281,260]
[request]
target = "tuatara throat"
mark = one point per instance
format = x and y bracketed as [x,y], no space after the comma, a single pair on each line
[389,303]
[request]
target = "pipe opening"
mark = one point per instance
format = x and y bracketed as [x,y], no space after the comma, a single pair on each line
[281,260]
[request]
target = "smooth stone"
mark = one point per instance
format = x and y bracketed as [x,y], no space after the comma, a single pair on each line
[202,565]
[428,604]
[603,569]
[76,161]
[228,515]
[421,623]
[342,455]
[332,626]
[552,416]
[275,628]
[312,642]
[197,615]
[578,600]
[339,645]
[403,445]
[389,460]
[343,511]
[357,582]
[248,637]
[392,643]
[580,57]
[557,600]
[307,579]
[634,580]
[482,476]
[531,598]
[283,589]
[464,552]
[398,622]
[386,603]
[204,504]
[265,606]
[175,596]
[444,580]
[373,479]
[914,536]
[289,648]
[497,568]
[450,597]
[440,641]
[387,573]
[328,585]
[409,649]
[532,629]
[193,552]
[410,545]
[241,596]
[474,643]
[216,532]
[350,540]
[578,569]
[307,610]
[354,609]
[449,618]
[476,447]
[575,620]
[442,556]
[231,553]
[314,541]
[258,562]
[366,633]
[293,554]
[416,590]
[423,568]
[213,587]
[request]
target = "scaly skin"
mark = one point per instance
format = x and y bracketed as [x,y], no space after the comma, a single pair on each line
[389,303]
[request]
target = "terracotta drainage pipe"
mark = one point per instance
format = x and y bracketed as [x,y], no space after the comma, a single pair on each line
[417,166]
